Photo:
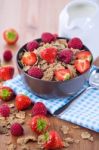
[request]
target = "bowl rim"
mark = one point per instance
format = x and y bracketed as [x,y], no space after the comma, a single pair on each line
[45,81]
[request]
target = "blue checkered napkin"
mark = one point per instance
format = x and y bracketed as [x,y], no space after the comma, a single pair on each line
[84,111]
[19,86]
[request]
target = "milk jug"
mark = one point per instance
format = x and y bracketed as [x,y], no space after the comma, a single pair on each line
[80,18]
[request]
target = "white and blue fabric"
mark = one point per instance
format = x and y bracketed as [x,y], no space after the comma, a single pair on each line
[83,111]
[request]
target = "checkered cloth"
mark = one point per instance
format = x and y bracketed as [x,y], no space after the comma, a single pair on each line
[84,111]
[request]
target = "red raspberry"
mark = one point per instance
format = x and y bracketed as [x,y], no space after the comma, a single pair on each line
[4,110]
[65,56]
[7,55]
[32,45]
[35,72]
[75,43]
[47,37]
[39,109]
[16,129]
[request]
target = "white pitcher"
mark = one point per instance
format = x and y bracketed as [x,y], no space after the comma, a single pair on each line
[80,18]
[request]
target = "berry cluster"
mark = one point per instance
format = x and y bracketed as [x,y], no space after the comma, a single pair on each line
[53,50]
[11,37]
[39,122]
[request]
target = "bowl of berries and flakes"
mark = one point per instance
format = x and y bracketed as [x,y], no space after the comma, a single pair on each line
[54,66]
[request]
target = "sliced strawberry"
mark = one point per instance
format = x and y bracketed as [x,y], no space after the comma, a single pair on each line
[51,140]
[84,55]
[62,74]
[6,73]
[6,93]
[22,102]
[39,124]
[82,65]
[49,54]
[29,58]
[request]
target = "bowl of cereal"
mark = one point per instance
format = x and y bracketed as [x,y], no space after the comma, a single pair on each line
[54,66]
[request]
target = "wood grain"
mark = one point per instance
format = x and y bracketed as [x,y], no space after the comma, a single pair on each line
[30,18]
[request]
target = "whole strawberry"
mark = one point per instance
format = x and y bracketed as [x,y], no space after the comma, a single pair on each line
[39,124]
[51,140]
[47,37]
[16,129]
[6,73]
[22,102]
[6,93]
[10,36]
[39,109]
[4,110]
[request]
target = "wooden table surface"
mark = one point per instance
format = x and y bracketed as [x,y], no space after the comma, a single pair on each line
[31,18]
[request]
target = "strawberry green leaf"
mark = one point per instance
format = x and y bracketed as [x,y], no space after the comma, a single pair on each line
[46,136]
[5,93]
[11,35]
[41,124]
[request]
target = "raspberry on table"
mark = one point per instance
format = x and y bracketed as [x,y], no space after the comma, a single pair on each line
[16,129]
[4,110]
[7,55]
[39,109]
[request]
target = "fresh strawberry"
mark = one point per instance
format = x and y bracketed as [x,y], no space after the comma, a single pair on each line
[84,55]
[49,54]
[10,36]
[51,140]
[62,74]
[22,102]
[82,65]
[6,93]
[7,55]
[6,73]
[39,124]
[29,58]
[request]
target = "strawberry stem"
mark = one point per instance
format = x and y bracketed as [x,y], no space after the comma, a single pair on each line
[11,35]
[5,93]
[41,124]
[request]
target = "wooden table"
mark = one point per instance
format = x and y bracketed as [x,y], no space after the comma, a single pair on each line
[30,18]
